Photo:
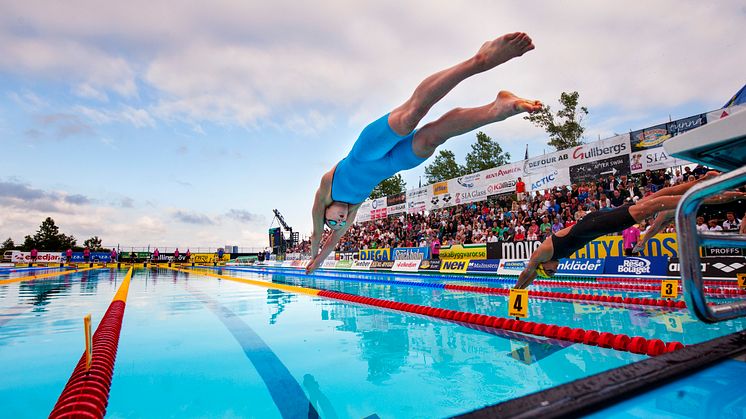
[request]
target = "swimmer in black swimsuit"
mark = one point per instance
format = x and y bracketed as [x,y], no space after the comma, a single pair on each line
[545,259]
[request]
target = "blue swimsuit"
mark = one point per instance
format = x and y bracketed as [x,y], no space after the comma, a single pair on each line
[378,154]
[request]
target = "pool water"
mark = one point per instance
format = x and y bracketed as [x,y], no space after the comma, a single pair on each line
[196,346]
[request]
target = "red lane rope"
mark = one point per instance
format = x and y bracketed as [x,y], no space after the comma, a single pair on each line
[657,302]
[86,394]
[713,282]
[719,292]
[619,342]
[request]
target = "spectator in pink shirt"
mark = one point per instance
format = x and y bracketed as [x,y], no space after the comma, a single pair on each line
[630,237]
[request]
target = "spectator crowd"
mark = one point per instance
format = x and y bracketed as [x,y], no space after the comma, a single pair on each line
[520,216]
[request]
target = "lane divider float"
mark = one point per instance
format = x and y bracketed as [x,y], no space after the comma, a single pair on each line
[619,342]
[86,394]
[545,295]
[42,276]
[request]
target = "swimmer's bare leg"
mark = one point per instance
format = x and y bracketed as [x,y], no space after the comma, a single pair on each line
[405,118]
[462,120]
[678,189]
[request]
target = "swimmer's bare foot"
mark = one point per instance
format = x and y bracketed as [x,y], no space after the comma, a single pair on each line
[495,52]
[507,104]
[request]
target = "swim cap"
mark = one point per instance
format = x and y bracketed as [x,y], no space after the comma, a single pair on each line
[540,271]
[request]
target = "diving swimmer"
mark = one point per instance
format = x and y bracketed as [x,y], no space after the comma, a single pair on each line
[544,260]
[392,144]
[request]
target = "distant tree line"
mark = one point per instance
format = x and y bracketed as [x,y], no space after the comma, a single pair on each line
[49,239]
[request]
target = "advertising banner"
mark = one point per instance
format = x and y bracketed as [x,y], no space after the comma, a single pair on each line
[616,146]
[375,254]
[363,213]
[454,265]
[46,257]
[417,200]
[95,257]
[723,113]
[329,264]
[344,264]
[511,267]
[486,266]
[287,263]
[713,267]
[378,209]
[722,251]
[653,159]
[649,137]
[382,264]
[638,266]
[362,265]
[430,265]
[213,257]
[510,250]
[345,255]
[661,245]
[466,189]
[581,267]
[405,265]
[588,172]
[396,204]
[410,253]
[505,172]
[548,179]
[464,251]
[685,124]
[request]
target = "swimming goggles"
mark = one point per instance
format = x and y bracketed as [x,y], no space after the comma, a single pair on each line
[334,223]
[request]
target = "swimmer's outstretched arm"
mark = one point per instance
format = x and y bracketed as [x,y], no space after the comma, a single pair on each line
[542,254]
[661,220]
[331,241]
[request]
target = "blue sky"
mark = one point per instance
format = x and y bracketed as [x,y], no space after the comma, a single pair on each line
[185,123]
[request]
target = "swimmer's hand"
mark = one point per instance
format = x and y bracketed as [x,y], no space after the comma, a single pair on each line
[638,247]
[526,278]
[312,266]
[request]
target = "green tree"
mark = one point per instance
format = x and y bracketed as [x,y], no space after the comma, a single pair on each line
[48,238]
[485,154]
[7,245]
[565,128]
[391,186]
[444,167]
[94,243]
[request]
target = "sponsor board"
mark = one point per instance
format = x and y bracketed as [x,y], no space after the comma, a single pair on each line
[510,250]
[417,200]
[329,264]
[510,171]
[638,266]
[454,265]
[344,264]
[588,172]
[713,267]
[396,204]
[652,159]
[722,251]
[382,264]
[580,267]
[405,265]
[7,265]
[362,265]
[298,263]
[649,137]
[464,251]
[375,254]
[661,245]
[599,150]
[363,213]
[410,253]
[440,188]
[378,209]
[486,265]
[25,257]
[430,265]
[287,263]
[345,255]
[547,179]
[511,267]
[213,257]
[95,257]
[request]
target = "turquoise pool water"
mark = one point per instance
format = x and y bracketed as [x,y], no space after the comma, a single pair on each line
[196,346]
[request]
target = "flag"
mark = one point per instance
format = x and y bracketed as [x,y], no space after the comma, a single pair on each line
[526,156]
